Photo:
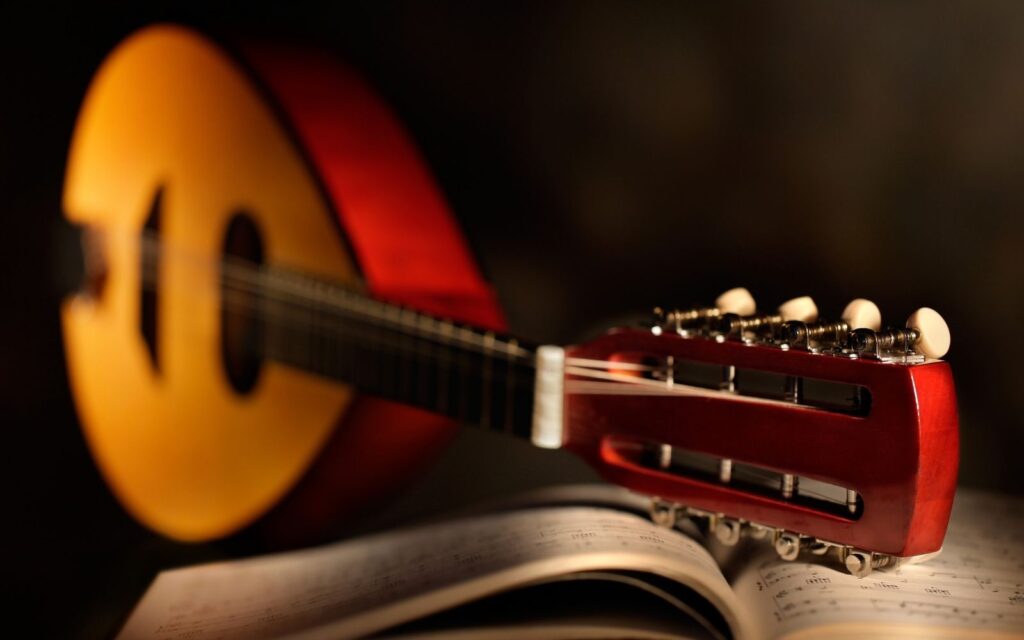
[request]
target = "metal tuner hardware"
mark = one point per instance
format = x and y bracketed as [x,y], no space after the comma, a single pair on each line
[789,545]
[738,392]
[795,325]
[687,322]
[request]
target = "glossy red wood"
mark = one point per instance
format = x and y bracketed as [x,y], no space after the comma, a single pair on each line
[902,457]
[409,250]
[406,240]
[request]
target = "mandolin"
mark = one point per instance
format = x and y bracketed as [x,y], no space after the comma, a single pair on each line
[279,320]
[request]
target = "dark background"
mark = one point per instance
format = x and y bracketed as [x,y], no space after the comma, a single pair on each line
[602,158]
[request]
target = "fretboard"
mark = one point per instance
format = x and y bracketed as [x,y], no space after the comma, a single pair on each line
[473,376]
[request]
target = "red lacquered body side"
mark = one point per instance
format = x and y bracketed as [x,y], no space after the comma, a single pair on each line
[409,250]
[901,457]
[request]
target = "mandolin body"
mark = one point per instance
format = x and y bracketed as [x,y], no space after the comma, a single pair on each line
[178,137]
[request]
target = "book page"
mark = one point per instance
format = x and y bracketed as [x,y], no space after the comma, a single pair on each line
[359,587]
[976,584]
[592,605]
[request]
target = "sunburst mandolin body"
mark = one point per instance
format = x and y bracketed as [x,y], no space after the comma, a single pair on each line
[181,138]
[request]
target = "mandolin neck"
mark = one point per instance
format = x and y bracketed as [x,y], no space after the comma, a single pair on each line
[473,376]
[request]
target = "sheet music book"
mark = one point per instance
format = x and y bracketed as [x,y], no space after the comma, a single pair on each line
[547,568]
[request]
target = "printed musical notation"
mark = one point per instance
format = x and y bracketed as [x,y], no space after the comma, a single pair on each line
[800,590]
[977,581]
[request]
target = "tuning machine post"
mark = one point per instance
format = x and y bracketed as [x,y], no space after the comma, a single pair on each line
[862,563]
[664,513]
[788,545]
[688,321]
[926,335]
[750,328]
[828,335]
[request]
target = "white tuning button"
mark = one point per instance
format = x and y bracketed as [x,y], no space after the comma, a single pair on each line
[933,331]
[801,309]
[862,314]
[738,301]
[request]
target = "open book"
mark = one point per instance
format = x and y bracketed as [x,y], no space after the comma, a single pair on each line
[547,568]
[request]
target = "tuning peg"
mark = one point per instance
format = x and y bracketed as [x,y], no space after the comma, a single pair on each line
[734,301]
[926,334]
[862,314]
[859,314]
[738,301]
[800,309]
[932,332]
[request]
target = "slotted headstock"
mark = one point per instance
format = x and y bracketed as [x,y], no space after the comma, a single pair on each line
[817,434]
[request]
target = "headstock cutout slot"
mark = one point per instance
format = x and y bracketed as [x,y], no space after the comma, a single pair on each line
[827,395]
[811,493]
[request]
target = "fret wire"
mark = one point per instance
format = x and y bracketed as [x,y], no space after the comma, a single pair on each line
[371,359]
[409,372]
[392,371]
[475,387]
[398,365]
[443,378]
[510,387]
[423,383]
[467,372]
[485,403]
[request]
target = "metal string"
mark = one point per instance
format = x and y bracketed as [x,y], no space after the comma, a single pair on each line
[336,311]
[326,307]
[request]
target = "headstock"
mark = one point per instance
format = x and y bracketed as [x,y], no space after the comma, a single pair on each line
[816,434]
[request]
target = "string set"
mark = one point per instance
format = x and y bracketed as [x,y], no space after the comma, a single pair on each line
[340,313]
[319,310]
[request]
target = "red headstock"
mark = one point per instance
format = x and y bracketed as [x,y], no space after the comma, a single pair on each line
[780,428]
